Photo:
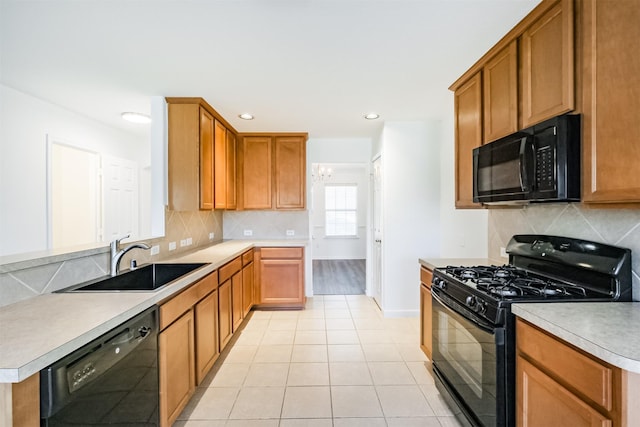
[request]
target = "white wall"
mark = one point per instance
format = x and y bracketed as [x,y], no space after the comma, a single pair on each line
[337,247]
[464,231]
[411,210]
[25,122]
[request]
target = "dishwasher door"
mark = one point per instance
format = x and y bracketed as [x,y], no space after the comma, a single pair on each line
[111,381]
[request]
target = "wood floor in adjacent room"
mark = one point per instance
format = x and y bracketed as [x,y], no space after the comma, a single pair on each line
[339,277]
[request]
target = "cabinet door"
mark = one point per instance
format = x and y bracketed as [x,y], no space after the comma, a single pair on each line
[548,65]
[290,172]
[468,124]
[256,172]
[231,171]
[282,281]
[611,101]
[500,79]
[220,156]
[206,324]
[425,311]
[542,402]
[206,159]
[184,156]
[247,288]
[177,369]
[236,299]
[224,313]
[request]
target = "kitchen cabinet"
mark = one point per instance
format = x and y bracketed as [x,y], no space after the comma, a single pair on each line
[225,167]
[206,330]
[25,404]
[201,157]
[290,172]
[468,135]
[426,276]
[186,344]
[610,100]
[176,363]
[190,150]
[557,384]
[547,60]
[230,279]
[272,171]
[281,277]
[247,282]
[236,299]
[500,94]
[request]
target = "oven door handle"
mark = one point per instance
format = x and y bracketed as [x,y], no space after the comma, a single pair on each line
[485,326]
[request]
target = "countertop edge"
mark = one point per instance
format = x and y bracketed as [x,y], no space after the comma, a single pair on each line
[231,249]
[432,263]
[621,361]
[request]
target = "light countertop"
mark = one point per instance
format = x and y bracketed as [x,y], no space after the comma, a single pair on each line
[607,330]
[38,331]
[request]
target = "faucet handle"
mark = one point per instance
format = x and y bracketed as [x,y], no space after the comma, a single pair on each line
[122,238]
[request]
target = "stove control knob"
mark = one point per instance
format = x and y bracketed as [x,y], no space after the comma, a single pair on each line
[440,283]
[481,307]
[472,302]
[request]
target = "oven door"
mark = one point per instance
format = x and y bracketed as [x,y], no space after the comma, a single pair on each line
[469,357]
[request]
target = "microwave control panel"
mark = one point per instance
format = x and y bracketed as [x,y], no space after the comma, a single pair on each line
[545,168]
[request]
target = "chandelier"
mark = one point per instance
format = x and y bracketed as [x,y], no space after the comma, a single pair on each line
[321,173]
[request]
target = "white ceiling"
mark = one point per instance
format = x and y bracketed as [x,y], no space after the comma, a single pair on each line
[297,65]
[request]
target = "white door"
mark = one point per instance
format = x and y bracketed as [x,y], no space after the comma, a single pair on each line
[120,189]
[377,231]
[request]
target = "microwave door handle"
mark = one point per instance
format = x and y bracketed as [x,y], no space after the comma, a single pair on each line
[524,179]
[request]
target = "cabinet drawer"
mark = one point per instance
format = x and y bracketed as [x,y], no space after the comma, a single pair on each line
[587,376]
[425,277]
[179,304]
[247,257]
[282,253]
[229,269]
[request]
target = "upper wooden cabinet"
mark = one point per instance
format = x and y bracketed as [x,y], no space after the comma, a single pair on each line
[201,157]
[225,171]
[468,127]
[190,157]
[548,65]
[500,90]
[290,172]
[610,100]
[272,171]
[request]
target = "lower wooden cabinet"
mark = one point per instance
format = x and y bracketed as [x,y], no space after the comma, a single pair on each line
[557,384]
[425,311]
[176,363]
[206,330]
[247,287]
[225,322]
[281,277]
[237,312]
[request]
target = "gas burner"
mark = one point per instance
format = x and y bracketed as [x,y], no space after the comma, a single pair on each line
[502,273]
[468,274]
[505,291]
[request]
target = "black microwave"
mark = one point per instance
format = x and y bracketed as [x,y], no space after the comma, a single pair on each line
[537,164]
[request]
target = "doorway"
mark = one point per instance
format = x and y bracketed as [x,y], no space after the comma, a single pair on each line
[338,217]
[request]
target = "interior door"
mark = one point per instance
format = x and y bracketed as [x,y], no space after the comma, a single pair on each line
[377,231]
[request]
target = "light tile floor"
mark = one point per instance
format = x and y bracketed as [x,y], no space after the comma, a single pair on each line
[337,363]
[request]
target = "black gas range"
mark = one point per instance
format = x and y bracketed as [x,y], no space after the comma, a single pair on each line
[474,329]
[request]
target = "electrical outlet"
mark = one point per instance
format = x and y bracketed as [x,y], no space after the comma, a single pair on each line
[189,241]
[291,232]
[155,250]
[248,232]
[211,236]
[172,246]
[503,253]
[183,243]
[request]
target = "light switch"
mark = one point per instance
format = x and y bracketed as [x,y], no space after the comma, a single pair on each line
[248,232]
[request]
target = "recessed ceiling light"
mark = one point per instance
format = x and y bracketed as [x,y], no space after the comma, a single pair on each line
[136,117]
[372,116]
[246,116]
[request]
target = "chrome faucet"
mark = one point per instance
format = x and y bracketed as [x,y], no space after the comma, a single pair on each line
[116,254]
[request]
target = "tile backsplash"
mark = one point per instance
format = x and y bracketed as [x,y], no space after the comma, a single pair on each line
[265,224]
[618,227]
[28,282]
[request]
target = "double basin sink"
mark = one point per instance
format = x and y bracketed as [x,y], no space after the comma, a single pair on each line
[148,278]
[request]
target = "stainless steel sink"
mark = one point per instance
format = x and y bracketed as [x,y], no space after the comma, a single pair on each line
[146,278]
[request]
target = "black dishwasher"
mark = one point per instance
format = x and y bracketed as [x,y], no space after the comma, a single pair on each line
[111,381]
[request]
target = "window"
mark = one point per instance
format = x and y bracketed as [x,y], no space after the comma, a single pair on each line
[341,208]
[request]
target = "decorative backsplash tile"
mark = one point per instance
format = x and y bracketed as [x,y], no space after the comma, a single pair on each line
[619,227]
[22,284]
[266,224]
